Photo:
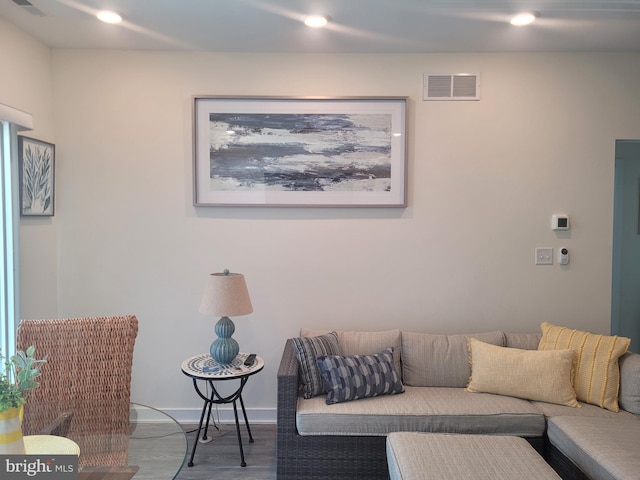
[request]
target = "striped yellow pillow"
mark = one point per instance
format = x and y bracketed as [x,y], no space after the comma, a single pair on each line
[596,377]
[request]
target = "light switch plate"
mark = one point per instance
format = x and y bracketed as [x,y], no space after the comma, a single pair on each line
[544,256]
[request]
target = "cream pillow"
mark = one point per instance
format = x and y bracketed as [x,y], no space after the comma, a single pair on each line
[530,374]
[596,377]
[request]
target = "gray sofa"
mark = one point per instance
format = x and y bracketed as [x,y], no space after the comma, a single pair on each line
[347,440]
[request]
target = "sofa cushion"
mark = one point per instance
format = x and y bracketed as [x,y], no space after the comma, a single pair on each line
[365,343]
[427,409]
[629,398]
[439,360]
[530,374]
[352,377]
[525,341]
[586,410]
[603,448]
[597,374]
[307,350]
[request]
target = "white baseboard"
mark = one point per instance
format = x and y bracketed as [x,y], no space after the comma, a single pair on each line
[221,414]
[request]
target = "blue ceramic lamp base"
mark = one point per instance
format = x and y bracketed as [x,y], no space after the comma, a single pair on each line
[224,349]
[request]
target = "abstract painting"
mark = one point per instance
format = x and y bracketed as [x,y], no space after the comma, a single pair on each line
[37,162]
[300,152]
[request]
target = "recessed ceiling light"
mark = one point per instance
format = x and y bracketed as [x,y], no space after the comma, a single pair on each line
[316,21]
[109,16]
[524,18]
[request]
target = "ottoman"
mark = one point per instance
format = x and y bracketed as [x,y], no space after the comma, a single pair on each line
[423,456]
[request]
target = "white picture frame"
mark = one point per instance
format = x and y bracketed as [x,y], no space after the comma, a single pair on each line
[310,152]
[37,177]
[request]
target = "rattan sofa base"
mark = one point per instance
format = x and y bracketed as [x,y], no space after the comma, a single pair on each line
[321,457]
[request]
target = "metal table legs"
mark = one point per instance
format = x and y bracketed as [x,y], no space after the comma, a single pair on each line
[216,398]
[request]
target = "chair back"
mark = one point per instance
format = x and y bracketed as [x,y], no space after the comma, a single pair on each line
[88,373]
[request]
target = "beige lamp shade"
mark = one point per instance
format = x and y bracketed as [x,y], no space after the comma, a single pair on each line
[226,295]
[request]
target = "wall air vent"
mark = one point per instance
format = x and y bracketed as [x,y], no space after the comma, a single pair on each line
[462,86]
[29,7]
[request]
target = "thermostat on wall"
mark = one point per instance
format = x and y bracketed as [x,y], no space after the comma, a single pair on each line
[559,221]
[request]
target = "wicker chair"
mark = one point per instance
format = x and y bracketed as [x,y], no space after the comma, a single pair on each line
[88,373]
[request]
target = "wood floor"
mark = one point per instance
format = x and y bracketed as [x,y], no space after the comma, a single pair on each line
[220,459]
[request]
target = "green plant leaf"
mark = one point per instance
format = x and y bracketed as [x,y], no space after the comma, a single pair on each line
[18,378]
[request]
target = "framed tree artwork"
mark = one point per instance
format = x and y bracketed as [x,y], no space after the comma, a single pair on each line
[36,169]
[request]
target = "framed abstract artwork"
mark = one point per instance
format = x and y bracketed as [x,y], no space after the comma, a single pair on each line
[36,176]
[311,152]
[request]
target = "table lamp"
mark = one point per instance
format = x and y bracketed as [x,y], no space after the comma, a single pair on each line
[225,294]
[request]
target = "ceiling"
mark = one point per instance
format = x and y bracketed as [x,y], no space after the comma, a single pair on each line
[358,26]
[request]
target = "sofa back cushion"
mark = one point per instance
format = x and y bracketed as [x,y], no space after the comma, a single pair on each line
[523,341]
[364,343]
[629,398]
[440,360]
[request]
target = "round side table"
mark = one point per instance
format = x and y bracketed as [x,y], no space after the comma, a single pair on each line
[204,368]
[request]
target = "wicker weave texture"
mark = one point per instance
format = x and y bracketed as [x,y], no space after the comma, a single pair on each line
[88,373]
[319,457]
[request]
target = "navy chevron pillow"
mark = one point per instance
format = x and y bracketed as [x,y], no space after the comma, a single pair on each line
[359,376]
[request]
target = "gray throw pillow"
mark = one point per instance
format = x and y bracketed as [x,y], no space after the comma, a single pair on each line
[307,350]
[359,376]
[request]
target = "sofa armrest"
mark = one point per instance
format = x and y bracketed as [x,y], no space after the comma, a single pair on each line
[321,457]
[288,388]
[629,398]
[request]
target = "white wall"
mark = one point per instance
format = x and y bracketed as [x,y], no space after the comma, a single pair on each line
[26,84]
[484,179]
